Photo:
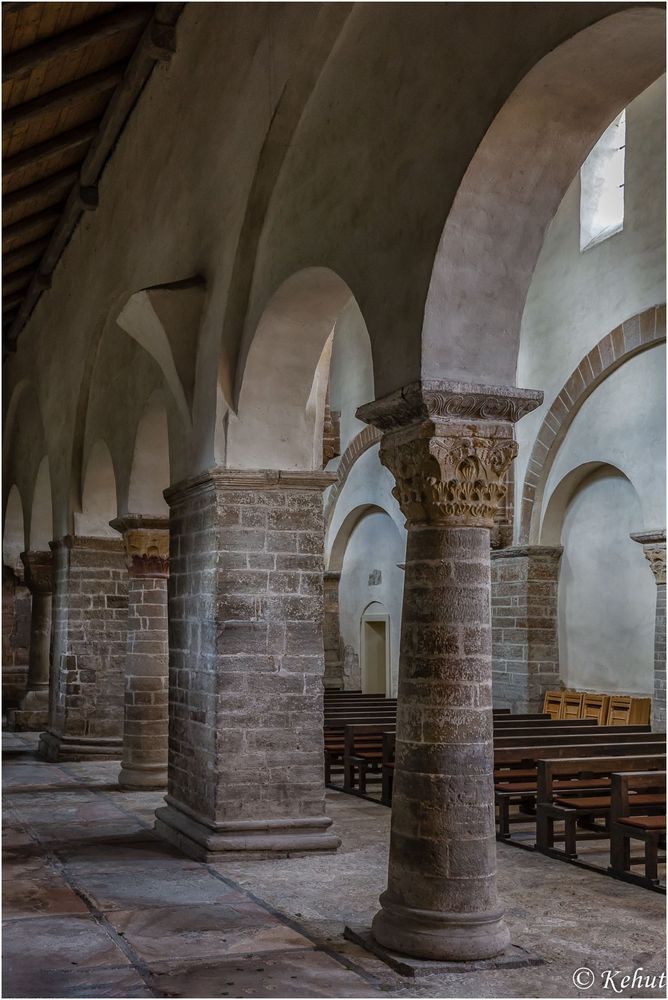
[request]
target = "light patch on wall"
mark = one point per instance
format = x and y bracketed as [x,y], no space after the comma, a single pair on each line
[602,186]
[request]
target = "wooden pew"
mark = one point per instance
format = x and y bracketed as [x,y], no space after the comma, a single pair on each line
[576,790]
[625,825]
[518,785]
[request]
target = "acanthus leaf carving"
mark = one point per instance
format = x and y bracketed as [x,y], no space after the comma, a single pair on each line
[450,476]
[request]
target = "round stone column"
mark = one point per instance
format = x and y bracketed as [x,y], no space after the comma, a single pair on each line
[34,705]
[145,723]
[449,447]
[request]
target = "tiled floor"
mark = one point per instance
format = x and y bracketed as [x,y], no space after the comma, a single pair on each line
[96,906]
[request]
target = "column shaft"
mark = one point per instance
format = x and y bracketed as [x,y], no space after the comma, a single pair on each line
[33,709]
[89,649]
[449,446]
[145,708]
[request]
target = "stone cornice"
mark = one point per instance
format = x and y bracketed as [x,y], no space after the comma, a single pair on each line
[448,400]
[139,522]
[538,551]
[38,571]
[220,478]
[87,542]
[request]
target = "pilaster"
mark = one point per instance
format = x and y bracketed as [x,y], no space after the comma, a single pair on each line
[245,770]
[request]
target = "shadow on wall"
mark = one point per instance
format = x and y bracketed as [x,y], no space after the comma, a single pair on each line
[607,596]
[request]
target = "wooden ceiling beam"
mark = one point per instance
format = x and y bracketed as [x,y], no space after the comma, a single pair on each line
[66,142]
[20,64]
[12,301]
[157,43]
[55,184]
[17,280]
[57,100]
[29,226]
[26,254]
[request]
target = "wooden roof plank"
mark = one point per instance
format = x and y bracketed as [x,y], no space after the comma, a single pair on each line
[26,254]
[61,98]
[28,228]
[55,184]
[74,138]
[20,64]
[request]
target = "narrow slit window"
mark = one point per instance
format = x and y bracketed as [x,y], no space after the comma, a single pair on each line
[602,186]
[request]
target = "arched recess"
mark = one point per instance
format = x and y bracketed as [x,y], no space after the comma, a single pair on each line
[606,596]
[350,522]
[513,187]
[282,384]
[149,474]
[637,334]
[41,513]
[375,656]
[99,503]
[13,535]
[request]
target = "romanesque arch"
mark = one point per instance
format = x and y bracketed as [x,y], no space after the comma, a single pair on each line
[637,334]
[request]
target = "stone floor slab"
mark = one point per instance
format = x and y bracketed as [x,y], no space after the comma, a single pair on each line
[289,974]
[237,927]
[58,942]
[146,890]
[39,896]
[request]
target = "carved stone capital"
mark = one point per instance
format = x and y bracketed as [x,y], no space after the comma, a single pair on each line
[654,547]
[38,571]
[146,544]
[449,446]
[451,475]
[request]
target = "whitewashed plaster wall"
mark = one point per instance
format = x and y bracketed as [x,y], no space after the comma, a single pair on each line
[576,298]
[607,592]
[350,371]
[368,484]
[370,573]
[377,542]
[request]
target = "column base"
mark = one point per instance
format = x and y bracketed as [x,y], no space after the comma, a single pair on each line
[32,713]
[513,957]
[271,838]
[27,720]
[55,747]
[439,936]
[143,778]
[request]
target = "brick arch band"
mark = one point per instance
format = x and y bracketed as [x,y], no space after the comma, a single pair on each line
[634,335]
[366,439]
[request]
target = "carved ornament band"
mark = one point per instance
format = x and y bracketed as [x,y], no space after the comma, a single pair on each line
[445,399]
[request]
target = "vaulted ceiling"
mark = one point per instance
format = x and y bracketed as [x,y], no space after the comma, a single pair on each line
[72,73]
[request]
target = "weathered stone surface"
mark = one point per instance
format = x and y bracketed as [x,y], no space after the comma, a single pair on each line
[449,447]
[654,547]
[525,644]
[16,613]
[246,666]
[33,709]
[145,726]
[89,649]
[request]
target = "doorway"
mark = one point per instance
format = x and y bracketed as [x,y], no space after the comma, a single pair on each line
[375,653]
